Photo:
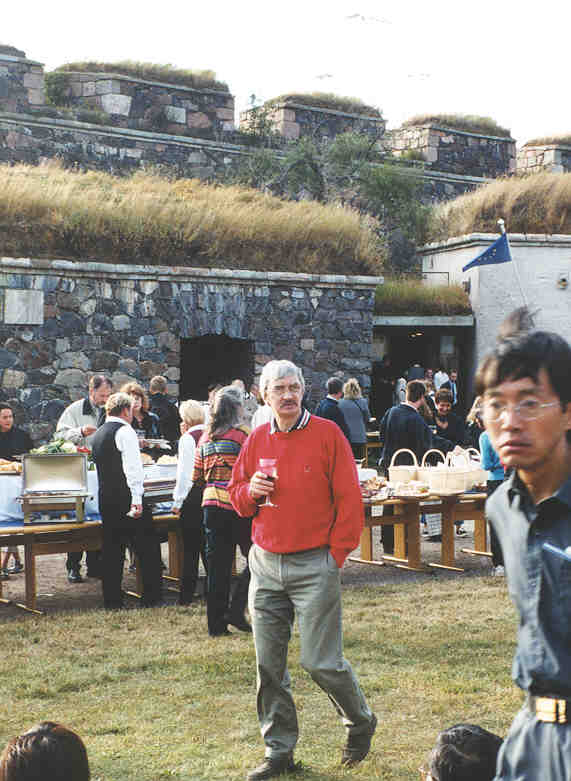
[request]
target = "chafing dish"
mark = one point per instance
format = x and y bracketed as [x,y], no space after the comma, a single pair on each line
[54,483]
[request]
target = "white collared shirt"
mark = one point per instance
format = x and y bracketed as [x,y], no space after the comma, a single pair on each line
[127,444]
[185,466]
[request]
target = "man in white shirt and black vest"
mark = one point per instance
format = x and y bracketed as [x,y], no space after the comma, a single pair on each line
[126,520]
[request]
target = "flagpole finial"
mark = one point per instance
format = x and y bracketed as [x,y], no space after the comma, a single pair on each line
[501,223]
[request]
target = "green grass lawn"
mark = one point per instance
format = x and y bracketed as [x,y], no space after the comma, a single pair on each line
[155,698]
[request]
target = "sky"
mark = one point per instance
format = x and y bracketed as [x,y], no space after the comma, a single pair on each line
[496,58]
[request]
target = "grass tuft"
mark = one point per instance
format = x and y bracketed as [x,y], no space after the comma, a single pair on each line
[536,203]
[561,140]
[199,79]
[468,122]
[401,297]
[47,211]
[328,100]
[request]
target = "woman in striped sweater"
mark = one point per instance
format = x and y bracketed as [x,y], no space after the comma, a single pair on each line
[216,454]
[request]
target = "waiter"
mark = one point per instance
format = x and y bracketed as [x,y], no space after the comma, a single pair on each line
[126,520]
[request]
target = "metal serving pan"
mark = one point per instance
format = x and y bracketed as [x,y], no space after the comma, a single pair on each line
[61,473]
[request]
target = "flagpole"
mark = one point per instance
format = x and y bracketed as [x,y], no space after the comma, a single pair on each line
[502,224]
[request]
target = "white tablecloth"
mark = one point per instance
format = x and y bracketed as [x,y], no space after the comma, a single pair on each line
[11,489]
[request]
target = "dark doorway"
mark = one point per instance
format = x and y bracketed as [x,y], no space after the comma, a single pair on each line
[409,346]
[210,359]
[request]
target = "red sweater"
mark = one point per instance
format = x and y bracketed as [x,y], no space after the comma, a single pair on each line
[317,490]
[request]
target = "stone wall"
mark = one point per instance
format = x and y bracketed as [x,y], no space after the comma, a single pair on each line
[30,139]
[533,159]
[456,151]
[148,105]
[294,121]
[63,321]
[21,81]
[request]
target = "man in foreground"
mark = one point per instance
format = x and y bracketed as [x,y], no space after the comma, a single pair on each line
[527,414]
[78,423]
[126,521]
[300,544]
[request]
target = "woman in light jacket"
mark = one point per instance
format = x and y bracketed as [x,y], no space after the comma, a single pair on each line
[356,413]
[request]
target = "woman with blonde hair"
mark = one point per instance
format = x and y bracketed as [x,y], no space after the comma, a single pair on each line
[187,498]
[356,413]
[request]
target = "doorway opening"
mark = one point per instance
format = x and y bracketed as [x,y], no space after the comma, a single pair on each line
[214,358]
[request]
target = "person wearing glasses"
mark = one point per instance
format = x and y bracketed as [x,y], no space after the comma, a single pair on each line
[300,542]
[526,393]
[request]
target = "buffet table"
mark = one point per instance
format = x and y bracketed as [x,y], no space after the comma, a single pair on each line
[40,539]
[57,533]
[406,520]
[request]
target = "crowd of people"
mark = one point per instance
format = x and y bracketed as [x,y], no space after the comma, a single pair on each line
[245,490]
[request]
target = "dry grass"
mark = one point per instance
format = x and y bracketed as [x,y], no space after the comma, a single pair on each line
[155,698]
[405,297]
[537,203]
[328,100]
[562,140]
[48,211]
[467,122]
[151,72]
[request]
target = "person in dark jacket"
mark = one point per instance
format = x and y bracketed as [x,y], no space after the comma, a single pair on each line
[403,427]
[165,409]
[329,406]
[448,425]
[14,441]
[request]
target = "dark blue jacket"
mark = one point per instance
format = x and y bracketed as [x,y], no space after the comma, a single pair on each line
[329,408]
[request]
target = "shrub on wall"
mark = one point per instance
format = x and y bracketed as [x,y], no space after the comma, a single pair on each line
[562,140]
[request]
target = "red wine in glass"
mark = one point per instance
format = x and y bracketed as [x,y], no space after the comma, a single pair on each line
[269,466]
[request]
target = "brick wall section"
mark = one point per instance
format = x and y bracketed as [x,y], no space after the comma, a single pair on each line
[21,82]
[532,159]
[294,121]
[62,321]
[456,151]
[148,105]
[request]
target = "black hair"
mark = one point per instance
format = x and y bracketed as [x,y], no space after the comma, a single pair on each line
[465,752]
[334,385]
[415,390]
[525,355]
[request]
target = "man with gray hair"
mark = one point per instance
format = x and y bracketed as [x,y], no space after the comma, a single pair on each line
[300,542]
[126,520]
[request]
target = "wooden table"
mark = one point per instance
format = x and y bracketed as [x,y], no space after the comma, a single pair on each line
[406,520]
[42,539]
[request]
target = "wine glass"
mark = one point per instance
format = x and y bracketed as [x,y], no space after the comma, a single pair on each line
[269,466]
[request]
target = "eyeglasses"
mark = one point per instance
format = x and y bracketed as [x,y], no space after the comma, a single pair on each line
[281,390]
[530,409]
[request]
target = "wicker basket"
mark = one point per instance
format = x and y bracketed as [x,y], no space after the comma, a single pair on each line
[450,479]
[403,473]
[423,470]
[479,475]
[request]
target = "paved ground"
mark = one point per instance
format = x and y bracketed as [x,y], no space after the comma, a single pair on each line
[56,594]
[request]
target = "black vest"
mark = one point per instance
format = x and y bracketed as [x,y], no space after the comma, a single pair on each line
[113,488]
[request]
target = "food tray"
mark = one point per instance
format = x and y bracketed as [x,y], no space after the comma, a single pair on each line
[54,474]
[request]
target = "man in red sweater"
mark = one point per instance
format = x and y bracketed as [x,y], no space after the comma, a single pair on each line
[300,543]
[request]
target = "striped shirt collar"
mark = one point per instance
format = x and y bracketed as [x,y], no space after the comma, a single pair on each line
[302,422]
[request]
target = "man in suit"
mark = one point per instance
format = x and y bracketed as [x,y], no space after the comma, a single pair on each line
[126,520]
[452,385]
[329,406]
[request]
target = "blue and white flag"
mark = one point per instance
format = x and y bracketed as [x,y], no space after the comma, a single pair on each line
[498,252]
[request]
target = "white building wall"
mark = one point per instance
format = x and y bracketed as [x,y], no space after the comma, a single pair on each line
[542,262]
